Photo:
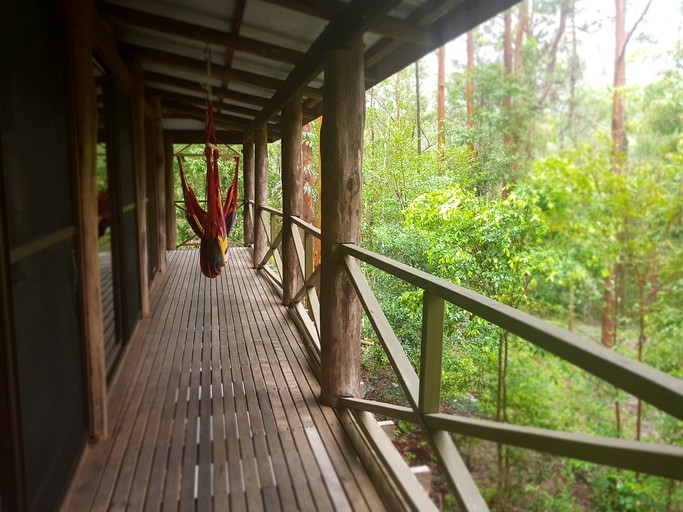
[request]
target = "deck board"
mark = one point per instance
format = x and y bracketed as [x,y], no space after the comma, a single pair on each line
[214,406]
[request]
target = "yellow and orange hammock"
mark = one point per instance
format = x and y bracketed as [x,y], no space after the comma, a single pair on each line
[214,224]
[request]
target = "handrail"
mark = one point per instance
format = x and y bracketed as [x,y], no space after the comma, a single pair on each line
[270,210]
[423,390]
[655,459]
[308,228]
[653,386]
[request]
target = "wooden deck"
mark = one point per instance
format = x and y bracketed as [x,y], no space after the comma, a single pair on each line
[215,407]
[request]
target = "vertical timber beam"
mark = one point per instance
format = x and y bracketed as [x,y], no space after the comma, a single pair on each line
[83,135]
[431,353]
[292,196]
[169,184]
[138,98]
[260,194]
[342,158]
[160,183]
[248,173]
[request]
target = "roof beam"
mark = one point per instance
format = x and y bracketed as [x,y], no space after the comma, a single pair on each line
[447,20]
[218,92]
[199,112]
[192,136]
[356,19]
[199,100]
[199,33]
[388,26]
[199,67]
[194,86]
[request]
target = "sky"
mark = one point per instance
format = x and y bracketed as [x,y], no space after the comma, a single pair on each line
[656,34]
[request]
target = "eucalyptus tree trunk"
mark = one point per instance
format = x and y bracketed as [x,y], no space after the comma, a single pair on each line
[470,88]
[441,105]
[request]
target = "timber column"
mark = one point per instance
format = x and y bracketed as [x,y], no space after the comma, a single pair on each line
[260,194]
[248,173]
[292,196]
[161,183]
[171,229]
[84,147]
[342,157]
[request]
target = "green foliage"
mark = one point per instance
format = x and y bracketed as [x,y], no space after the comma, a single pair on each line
[194,166]
[545,246]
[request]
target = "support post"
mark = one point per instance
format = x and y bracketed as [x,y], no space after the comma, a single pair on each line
[169,184]
[138,99]
[260,194]
[84,149]
[431,353]
[161,183]
[342,157]
[292,196]
[248,173]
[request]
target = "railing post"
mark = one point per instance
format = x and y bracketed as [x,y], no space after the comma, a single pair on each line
[248,174]
[260,194]
[431,353]
[342,159]
[273,230]
[292,196]
[309,255]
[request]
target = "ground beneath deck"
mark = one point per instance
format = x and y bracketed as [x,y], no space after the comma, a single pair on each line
[215,407]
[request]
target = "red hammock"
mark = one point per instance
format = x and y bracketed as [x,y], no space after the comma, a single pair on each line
[214,224]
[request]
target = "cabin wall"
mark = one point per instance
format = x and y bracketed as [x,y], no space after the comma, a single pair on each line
[42,335]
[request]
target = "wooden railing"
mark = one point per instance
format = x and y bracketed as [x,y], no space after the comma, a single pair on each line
[424,391]
[306,306]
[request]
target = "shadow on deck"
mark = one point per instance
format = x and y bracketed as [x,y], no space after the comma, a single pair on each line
[215,407]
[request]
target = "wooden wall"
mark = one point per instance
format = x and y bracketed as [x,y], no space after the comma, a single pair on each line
[41,319]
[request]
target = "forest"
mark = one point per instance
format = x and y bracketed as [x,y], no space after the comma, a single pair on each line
[524,175]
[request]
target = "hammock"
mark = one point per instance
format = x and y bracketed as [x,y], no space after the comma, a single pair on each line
[214,224]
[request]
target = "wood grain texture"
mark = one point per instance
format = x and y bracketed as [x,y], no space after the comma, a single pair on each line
[214,407]
[84,147]
[169,184]
[248,178]
[292,196]
[342,158]
[260,194]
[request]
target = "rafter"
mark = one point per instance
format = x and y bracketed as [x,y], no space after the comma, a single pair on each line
[199,67]
[198,100]
[446,20]
[358,17]
[199,33]
[328,9]
[195,86]
[222,93]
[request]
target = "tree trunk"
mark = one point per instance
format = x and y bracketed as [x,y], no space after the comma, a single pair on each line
[507,63]
[570,313]
[608,335]
[609,311]
[470,89]
[519,36]
[441,106]
[418,119]
[642,304]
[618,102]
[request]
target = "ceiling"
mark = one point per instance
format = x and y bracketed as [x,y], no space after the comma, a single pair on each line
[263,51]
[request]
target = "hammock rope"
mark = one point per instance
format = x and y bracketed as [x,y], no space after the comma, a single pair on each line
[214,224]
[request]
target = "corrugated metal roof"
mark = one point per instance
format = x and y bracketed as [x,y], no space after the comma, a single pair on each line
[257,46]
